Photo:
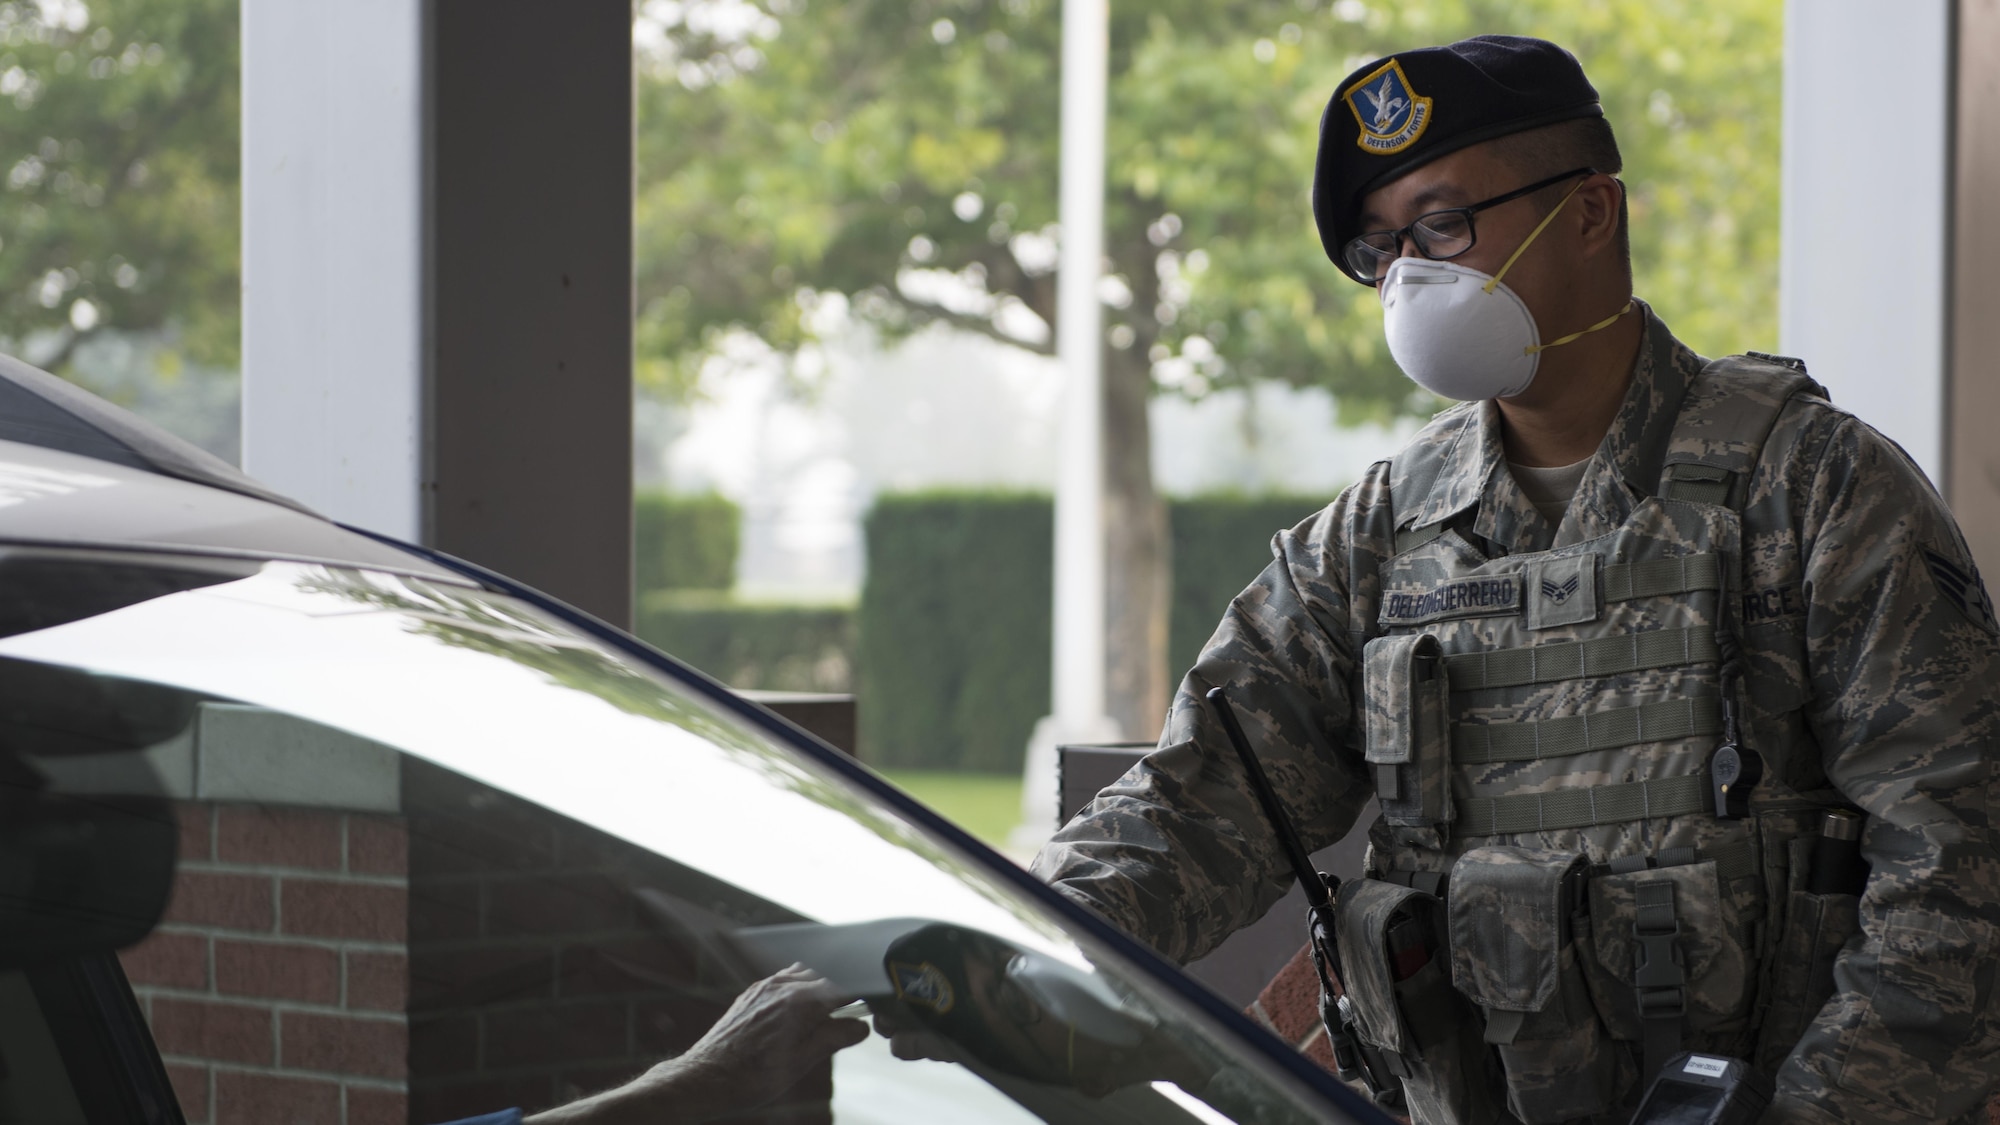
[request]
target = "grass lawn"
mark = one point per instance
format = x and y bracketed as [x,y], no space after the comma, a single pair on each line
[988,805]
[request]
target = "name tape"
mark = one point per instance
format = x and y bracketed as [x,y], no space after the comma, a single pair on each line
[1469,598]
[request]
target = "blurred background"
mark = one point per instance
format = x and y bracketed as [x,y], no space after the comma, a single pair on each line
[845,241]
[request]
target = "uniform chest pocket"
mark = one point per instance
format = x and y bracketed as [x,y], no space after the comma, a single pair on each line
[1675,922]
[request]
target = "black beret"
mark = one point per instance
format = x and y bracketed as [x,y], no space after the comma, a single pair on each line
[929,968]
[1399,113]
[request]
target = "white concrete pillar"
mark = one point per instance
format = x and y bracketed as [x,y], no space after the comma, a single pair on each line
[1863,291]
[333,257]
[1077,711]
[437,243]
[1079,624]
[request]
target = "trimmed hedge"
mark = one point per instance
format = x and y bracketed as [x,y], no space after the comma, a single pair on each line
[684,542]
[948,650]
[753,645]
[1221,542]
[952,667]
[953,663]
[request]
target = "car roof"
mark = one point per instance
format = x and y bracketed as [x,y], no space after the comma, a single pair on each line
[78,471]
[37,408]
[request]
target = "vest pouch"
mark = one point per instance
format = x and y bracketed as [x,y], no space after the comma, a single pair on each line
[1394,956]
[1409,730]
[1816,928]
[1709,945]
[1513,914]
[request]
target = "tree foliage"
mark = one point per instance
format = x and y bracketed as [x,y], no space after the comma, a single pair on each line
[872,148]
[119,175]
[903,155]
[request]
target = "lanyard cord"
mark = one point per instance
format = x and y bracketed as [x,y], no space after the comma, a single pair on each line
[1536,233]
[1605,323]
[1516,255]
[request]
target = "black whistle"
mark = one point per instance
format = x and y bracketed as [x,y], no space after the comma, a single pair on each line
[1733,772]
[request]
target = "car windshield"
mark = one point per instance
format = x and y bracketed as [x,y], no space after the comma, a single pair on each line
[442,854]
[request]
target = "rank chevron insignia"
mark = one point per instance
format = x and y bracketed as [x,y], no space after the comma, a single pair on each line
[1559,594]
[1963,589]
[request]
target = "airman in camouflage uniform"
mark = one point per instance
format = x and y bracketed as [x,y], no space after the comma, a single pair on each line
[1540,708]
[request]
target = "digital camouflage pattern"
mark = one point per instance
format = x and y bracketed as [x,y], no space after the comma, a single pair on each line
[1427,1034]
[1867,657]
[1518,906]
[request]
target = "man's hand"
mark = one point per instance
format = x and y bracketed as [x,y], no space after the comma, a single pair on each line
[775,1032]
[910,1040]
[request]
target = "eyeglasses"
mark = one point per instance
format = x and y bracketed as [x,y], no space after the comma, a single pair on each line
[1438,235]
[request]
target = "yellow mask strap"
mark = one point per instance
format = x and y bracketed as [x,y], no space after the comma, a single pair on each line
[1534,234]
[1605,323]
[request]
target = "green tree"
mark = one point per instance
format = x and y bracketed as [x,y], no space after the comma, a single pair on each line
[119,177]
[902,155]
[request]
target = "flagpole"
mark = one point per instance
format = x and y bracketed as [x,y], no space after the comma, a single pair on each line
[1077,660]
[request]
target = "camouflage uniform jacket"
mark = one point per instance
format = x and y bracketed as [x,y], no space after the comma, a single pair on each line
[1870,652]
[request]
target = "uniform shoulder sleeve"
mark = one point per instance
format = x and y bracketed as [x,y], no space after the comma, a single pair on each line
[1902,655]
[1177,852]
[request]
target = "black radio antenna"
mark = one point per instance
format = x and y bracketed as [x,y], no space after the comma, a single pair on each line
[1315,885]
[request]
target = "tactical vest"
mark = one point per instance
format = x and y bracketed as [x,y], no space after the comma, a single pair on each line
[1580,889]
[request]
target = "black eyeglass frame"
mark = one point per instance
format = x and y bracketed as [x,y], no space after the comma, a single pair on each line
[1348,267]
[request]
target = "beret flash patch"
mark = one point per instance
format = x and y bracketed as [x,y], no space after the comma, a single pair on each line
[1392,115]
[924,984]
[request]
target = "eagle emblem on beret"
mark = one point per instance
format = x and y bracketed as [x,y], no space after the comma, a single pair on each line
[923,984]
[1391,114]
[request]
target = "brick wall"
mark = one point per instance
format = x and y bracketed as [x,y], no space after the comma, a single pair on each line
[277,985]
[475,952]
[537,972]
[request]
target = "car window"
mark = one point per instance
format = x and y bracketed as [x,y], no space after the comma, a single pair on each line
[440,854]
[72,1049]
[36,1086]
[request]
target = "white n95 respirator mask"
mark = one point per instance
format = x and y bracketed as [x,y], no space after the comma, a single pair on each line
[1456,335]
[1464,334]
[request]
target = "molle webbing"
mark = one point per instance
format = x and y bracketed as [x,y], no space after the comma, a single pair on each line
[1732,861]
[1702,484]
[1662,577]
[1583,808]
[1475,744]
[1576,660]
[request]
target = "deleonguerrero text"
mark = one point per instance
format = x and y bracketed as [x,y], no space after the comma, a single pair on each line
[1473,594]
